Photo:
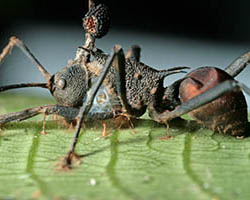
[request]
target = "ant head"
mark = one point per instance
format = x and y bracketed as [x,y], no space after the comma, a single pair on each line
[69,86]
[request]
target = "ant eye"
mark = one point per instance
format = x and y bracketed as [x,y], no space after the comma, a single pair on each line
[61,83]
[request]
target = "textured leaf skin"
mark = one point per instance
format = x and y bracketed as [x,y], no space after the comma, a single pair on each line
[130,164]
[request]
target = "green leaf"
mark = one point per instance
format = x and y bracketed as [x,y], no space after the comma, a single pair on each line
[130,164]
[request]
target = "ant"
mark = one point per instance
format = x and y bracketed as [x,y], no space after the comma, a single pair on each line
[92,85]
[99,86]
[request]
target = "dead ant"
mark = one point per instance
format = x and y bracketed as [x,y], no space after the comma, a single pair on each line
[92,85]
[99,86]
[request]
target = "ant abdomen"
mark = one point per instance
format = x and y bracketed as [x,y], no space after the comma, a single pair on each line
[227,114]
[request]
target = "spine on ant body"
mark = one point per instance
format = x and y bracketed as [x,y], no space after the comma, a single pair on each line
[173,70]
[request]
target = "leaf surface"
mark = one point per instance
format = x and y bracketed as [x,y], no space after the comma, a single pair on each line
[130,164]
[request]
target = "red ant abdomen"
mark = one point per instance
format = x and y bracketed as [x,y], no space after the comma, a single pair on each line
[227,114]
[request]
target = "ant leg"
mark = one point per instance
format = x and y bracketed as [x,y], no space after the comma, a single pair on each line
[64,111]
[104,134]
[16,42]
[238,65]
[67,112]
[84,110]
[23,85]
[198,101]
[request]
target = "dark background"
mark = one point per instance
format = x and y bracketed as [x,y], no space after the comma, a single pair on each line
[171,33]
[212,19]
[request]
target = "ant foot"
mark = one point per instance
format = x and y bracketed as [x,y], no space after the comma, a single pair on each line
[167,137]
[69,161]
[43,132]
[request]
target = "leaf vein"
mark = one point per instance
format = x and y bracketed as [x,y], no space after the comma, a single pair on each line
[189,171]
[31,162]
[111,171]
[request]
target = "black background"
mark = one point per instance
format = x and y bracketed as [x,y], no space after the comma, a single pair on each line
[177,33]
[211,19]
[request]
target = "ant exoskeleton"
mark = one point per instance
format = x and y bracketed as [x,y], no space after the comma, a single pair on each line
[90,87]
[99,86]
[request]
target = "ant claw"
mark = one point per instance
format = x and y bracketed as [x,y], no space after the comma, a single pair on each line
[102,137]
[167,137]
[240,137]
[43,132]
[69,161]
